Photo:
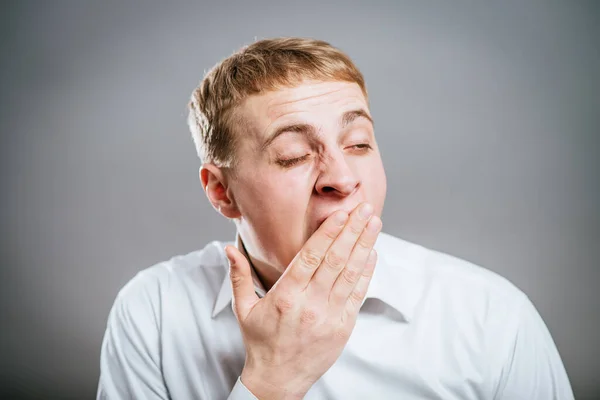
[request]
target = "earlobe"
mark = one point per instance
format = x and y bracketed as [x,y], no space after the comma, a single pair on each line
[215,185]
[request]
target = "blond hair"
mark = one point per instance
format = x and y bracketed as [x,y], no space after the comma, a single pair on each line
[262,66]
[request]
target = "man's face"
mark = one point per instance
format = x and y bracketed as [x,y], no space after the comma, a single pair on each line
[304,152]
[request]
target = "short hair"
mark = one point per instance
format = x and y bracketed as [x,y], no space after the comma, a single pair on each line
[263,66]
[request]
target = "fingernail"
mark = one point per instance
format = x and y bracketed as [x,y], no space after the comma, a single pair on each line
[340,218]
[374,224]
[365,211]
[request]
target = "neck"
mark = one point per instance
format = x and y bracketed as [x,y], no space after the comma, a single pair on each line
[266,274]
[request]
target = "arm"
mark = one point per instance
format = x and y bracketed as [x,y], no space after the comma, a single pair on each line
[130,356]
[130,359]
[534,370]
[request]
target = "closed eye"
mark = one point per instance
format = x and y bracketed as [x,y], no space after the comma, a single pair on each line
[290,162]
[361,147]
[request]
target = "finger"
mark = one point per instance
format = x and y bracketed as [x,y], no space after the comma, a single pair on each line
[348,278]
[338,254]
[308,259]
[356,297]
[244,296]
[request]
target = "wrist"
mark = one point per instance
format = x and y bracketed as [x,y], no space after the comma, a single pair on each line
[267,386]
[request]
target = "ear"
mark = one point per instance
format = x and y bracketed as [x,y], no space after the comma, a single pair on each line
[215,185]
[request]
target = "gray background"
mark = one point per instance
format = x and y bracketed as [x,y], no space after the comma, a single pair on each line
[488,117]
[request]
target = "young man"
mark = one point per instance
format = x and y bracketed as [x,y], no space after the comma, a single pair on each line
[313,301]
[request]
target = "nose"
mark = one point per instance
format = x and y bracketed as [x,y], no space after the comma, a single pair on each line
[337,178]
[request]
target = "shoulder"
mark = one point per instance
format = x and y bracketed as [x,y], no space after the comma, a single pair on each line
[452,279]
[441,267]
[132,349]
[201,271]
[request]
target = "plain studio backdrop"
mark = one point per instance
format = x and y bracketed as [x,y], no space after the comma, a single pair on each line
[487,117]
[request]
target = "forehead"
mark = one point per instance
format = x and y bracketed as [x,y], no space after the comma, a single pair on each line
[306,100]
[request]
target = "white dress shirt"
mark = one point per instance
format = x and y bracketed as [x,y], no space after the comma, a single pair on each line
[432,327]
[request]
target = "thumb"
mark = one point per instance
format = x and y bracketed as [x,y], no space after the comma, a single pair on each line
[244,296]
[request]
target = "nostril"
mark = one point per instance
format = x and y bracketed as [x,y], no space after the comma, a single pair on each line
[328,189]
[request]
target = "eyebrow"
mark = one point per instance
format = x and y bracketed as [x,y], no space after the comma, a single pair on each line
[347,118]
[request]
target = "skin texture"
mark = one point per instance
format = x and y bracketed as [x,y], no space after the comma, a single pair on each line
[278,206]
[306,198]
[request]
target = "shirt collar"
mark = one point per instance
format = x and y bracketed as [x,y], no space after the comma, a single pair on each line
[225,293]
[395,282]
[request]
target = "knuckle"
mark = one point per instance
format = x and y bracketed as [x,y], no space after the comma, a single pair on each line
[236,279]
[356,229]
[342,335]
[308,316]
[350,276]
[364,243]
[356,296]
[310,258]
[334,260]
[331,233]
[283,304]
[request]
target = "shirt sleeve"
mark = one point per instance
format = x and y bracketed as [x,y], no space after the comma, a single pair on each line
[130,356]
[241,392]
[534,370]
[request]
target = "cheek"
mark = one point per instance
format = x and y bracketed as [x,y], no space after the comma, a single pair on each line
[274,210]
[372,176]
[281,196]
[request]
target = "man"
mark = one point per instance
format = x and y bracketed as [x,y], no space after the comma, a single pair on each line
[313,301]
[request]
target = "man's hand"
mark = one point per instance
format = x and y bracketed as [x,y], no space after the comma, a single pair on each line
[299,329]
